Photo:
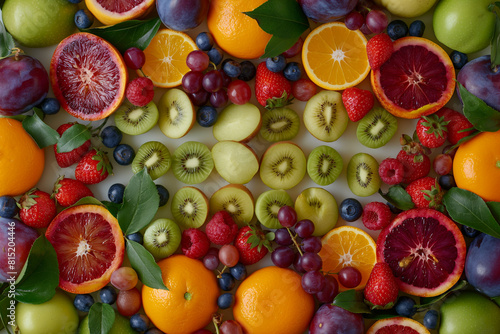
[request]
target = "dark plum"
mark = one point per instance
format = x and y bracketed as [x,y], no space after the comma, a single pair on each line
[481,264]
[330,319]
[327,10]
[182,15]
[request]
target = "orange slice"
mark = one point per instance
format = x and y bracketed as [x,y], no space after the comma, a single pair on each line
[346,246]
[334,57]
[111,12]
[166,58]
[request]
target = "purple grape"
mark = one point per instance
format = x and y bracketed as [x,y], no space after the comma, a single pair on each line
[313,282]
[212,81]
[282,237]
[311,244]
[197,60]
[304,228]
[283,256]
[192,81]
[219,98]
[354,20]
[199,98]
[134,58]
[349,277]
[311,262]
[211,261]
[365,30]
[330,290]
[376,21]
[287,216]
[296,264]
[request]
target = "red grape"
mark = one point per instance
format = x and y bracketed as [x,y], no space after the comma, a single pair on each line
[313,282]
[229,255]
[330,290]
[354,20]
[124,278]
[191,81]
[211,261]
[295,49]
[442,164]
[197,60]
[304,228]
[199,98]
[311,262]
[311,244]
[365,30]
[230,327]
[287,216]
[376,21]
[219,98]
[134,58]
[303,89]
[349,277]
[283,256]
[282,237]
[212,81]
[128,302]
[239,92]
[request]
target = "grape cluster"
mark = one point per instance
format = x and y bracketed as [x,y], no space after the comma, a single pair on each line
[367,17]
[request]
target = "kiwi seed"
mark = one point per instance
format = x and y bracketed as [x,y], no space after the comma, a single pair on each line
[154,156]
[324,165]
[192,162]
[376,128]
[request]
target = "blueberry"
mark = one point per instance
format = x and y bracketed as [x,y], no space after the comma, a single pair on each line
[458,59]
[163,193]
[248,70]
[115,193]
[239,271]
[226,281]
[397,29]
[204,41]
[225,300]
[108,295]
[447,181]
[470,232]
[50,106]
[83,302]
[276,64]
[292,71]
[83,19]
[394,209]
[124,154]
[350,209]
[206,116]
[232,68]
[111,136]
[139,322]
[8,206]
[405,306]
[137,237]
[215,55]
[417,28]
[75,1]
[431,319]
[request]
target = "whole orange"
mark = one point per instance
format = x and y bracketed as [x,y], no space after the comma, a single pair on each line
[476,166]
[21,160]
[271,300]
[235,32]
[191,298]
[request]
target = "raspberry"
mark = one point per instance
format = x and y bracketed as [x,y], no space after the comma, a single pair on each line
[140,91]
[221,229]
[391,171]
[376,215]
[194,243]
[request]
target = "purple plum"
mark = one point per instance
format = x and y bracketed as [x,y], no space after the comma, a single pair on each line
[327,10]
[182,15]
[331,319]
[481,265]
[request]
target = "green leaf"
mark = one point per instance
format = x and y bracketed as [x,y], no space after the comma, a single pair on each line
[39,113]
[144,264]
[482,116]
[6,40]
[41,133]
[381,314]
[351,300]
[133,33]
[87,200]
[397,196]
[7,313]
[277,45]
[495,210]
[113,208]
[495,40]
[41,274]
[140,203]
[428,301]
[469,209]
[101,318]
[73,138]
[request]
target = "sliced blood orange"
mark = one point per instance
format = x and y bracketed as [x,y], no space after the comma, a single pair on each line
[397,325]
[425,250]
[115,11]
[417,80]
[88,76]
[89,246]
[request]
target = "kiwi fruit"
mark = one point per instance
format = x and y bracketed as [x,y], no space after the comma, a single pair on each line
[189,207]
[324,165]
[376,128]
[177,114]
[134,120]
[192,162]
[268,204]
[283,165]
[318,205]
[280,124]
[162,237]
[362,175]
[237,200]
[154,156]
[325,116]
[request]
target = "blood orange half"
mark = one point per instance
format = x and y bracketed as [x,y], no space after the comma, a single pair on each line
[88,76]
[425,250]
[417,80]
[115,11]
[397,325]
[89,246]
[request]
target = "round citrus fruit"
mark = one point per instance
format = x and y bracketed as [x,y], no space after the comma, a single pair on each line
[476,166]
[88,76]
[89,246]
[417,80]
[425,250]
[397,325]
[113,12]
[235,32]
[191,298]
[334,57]
[166,58]
[272,300]
[348,246]
[21,161]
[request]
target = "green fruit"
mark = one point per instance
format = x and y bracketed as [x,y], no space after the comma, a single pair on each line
[469,312]
[407,8]
[39,23]
[464,25]
[57,316]
[120,326]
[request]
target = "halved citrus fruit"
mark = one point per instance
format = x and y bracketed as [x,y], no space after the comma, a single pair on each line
[88,76]
[334,57]
[425,250]
[417,80]
[89,246]
[348,246]
[166,58]
[111,12]
[397,325]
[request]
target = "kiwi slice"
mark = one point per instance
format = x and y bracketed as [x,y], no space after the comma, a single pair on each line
[134,120]
[192,162]
[376,128]
[280,124]
[362,175]
[325,116]
[237,200]
[268,204]
[324,165]
[177,114]
[154,156]
[283,165]
[190,207]
[162,237]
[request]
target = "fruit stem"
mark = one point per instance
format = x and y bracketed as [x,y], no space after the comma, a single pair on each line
[221,271]
[216,319]
[294,239]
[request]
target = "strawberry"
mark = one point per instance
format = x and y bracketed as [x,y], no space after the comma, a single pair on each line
[432,131]
[37,208]
[358,102]
[252,244]
[270,85]
[221,229]
[426,193]
[381,290]
[68,191]
[457,123]
[93,168]
[66,159]
[416,164]
[379,49]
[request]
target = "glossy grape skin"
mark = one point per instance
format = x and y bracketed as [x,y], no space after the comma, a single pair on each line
[282,237]
[376,21]
[442,164]
[134,58]
[211,261]
[481,265]
[354,20]
[200,98]
[287,216]
[212,81]
[283,256]
[129,302]
[311,244]
[333,319]
[329,291]
[124,278]
[327,10]
[197,60]
[192,81]
[349,277]
[303,89]
[230,327]
[304,228]
[313,282]
[311,262]
[219,98]
[182,15]
[239,92]
[229,255]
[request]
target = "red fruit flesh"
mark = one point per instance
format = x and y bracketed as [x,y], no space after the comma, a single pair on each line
[120,6]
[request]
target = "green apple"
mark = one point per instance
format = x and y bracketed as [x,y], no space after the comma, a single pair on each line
[469,312]
[407,8]
[39,23]
[120,326]
[464,25]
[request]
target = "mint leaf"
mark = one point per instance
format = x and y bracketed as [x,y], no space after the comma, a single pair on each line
[6,40]
[482,116]
[145,265]
[397,196]
[101,318]
[73,137]
[351,300]
[6,316]
[42,134]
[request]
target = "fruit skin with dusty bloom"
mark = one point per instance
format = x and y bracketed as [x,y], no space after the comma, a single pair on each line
[330,319]
[327,10]
[182,15]
[481,267]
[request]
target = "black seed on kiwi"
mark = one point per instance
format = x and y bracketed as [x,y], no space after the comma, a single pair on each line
[135,120]
[280,124]
[324,165]
[162,238]
[154,156]
[376,128]
[362,175]
[190,207]
[192,162]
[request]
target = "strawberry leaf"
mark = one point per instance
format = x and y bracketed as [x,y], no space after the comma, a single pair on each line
[352,301]
[482,116]
[101,318]
[73,138]
[6,40]
[42,134]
